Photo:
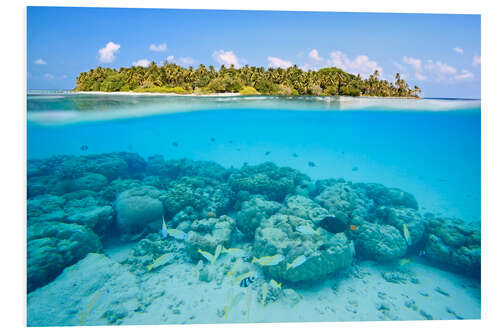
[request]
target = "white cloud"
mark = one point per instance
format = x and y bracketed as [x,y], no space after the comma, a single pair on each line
[360,65]
[439,67]
[314,55]
[464,75]
[170,58]
[414,62]
[399,66]
[158,48]
[476,61]
[141,63]
[186,60]
[107,53]
[458,50]
[48,76]
[226,58]
[40,62]
[420,77]
[277,62]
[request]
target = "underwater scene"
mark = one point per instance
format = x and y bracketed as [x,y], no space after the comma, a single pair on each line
[157,209]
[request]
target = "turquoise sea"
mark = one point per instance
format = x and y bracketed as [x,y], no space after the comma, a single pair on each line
[428,149]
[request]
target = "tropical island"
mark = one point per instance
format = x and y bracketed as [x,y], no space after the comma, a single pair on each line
[172,78]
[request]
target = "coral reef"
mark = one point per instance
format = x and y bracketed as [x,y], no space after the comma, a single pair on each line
[454,244]
[206,234]
[52,246]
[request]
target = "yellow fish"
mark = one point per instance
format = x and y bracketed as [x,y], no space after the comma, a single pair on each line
[206,255]
[406,233]
[227,308]
[264,294]
[235,252]
[297,262]
[236,264]
[404,261]
[93,300]
[177,234]
[216,255]
[269,260]
[160,261]
[249,301]
[197,268]
[275,284]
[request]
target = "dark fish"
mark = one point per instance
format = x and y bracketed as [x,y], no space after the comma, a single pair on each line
[247,281]
[84,147]
[230,141]
[295,155]
[335,225]
[212,139]
[175,144]
[268,152]
[311,164]
[355,169]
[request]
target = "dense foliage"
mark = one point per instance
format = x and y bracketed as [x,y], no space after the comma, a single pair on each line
[172,78]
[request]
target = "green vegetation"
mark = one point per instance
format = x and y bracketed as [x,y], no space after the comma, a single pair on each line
[172,78]
[249,91]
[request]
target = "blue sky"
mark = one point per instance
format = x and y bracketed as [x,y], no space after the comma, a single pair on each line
[439,53]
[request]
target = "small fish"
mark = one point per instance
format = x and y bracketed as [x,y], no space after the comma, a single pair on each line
[212,139]
[235,252]
[160,261]
[233,269]
[406,234]
[268,152]
[175,144]
[335,225]
[295,155]
[211,214]
[197,267]
[177,234]
[206,255]
[422,253]
[247,281]
[84,148]
[307,230]
[403,261]
[311,164]
[93,300]
[269,260]
[275,284]
[297,262]
[227,308]
[242,277]
[355,169]
[230,141]
[264,294]
[249,302]
[218,249]
[164,232]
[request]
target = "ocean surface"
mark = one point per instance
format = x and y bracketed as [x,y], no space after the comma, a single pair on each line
[429,149]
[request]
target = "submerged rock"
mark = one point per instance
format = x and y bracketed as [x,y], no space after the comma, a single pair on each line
[379,242]
[52,246]
[266,179]
[454,244]
[253,212]
[137,208]
[398,216]
[94,291]
[325,253]
[305,208]
[206,234]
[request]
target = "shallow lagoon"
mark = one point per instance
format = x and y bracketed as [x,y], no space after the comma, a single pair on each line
[429,148]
